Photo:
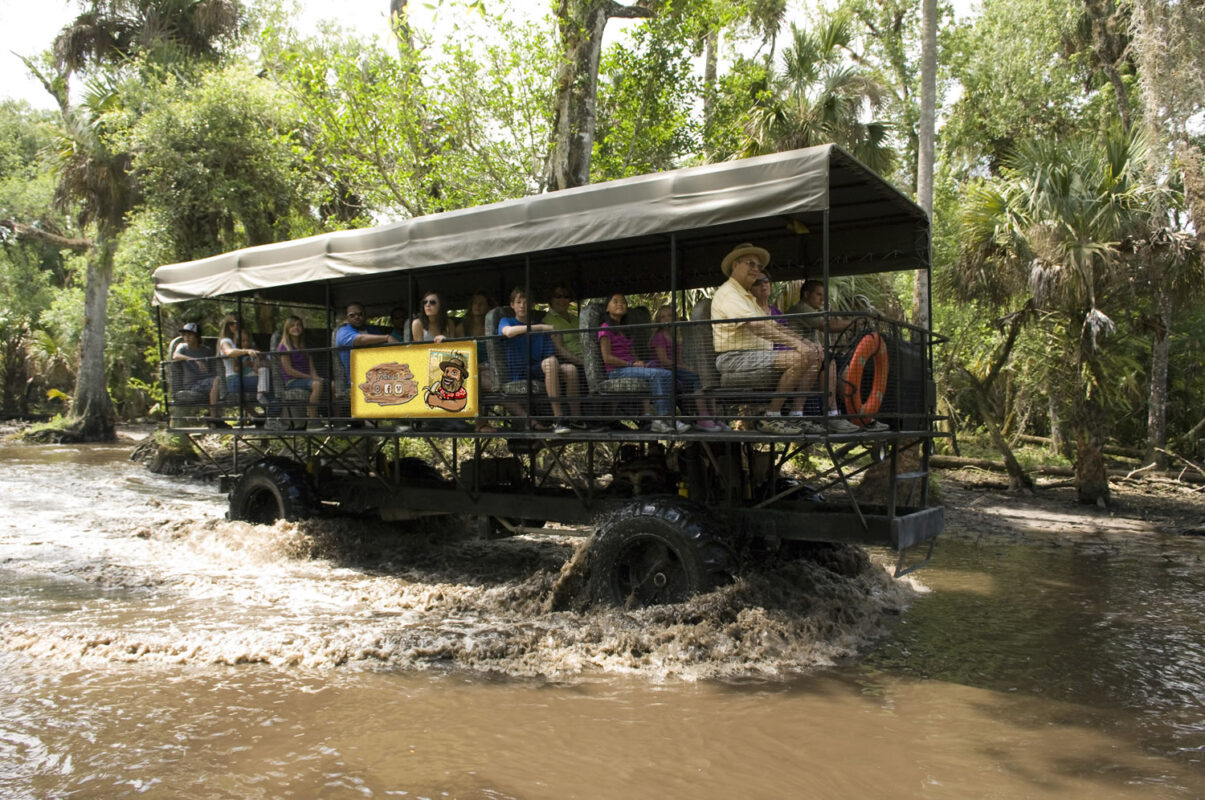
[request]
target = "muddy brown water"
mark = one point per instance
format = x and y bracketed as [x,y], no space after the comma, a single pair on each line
[149,648]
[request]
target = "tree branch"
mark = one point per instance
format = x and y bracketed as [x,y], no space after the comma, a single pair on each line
[28,233]
[1195,466]
[641,10]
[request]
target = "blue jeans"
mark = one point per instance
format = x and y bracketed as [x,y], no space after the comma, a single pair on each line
[248,383]
[688,380]
[660,381]
[300,383]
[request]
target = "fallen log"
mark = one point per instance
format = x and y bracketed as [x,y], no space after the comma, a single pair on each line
[1108,449]
[957,462]
[960,462]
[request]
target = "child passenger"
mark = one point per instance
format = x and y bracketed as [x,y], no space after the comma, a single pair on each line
[619,357]
[537,359]
[297,366]
[241,361]
[664,354]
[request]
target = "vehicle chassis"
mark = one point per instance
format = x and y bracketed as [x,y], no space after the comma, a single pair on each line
[504,482]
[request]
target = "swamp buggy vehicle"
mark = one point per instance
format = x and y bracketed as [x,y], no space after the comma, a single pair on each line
[670,513]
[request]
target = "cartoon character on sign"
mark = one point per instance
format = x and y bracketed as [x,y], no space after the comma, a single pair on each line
[448,392]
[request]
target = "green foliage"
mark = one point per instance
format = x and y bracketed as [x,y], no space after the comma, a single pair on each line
[645,109]
[165,32]
[736,92]
[887,39]
[1186,374]
[408,133]
[221,164]
[30,271]
[494,110]
[1015,83]
[26,183]
[821,95]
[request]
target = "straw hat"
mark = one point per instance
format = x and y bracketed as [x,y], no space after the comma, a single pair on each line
[742,250]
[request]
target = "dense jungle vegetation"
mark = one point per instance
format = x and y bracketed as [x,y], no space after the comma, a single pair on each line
[1067,181]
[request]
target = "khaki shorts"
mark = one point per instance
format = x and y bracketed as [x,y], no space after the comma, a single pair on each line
[746,360]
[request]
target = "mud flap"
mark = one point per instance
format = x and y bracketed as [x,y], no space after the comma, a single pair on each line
[913,529]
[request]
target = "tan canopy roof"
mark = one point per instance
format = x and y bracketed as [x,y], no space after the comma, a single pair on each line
[598,232]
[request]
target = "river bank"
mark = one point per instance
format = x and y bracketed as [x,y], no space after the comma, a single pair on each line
[980,510]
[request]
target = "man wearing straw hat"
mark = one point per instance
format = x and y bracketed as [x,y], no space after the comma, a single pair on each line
[749,346]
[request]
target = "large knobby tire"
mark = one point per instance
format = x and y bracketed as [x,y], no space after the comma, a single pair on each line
[655,550]
[271,489]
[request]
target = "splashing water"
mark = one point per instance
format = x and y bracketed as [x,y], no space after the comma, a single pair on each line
[103,562]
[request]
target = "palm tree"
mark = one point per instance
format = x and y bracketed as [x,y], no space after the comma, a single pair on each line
[820,97]
[1059,224]
[94,177]
[160,31]
[95,181]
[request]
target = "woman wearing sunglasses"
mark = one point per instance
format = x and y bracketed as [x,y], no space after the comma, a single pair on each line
[433,323]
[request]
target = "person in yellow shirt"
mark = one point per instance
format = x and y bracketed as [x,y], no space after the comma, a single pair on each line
[745,346]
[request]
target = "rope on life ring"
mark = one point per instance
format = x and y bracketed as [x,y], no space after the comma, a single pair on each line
[870,347]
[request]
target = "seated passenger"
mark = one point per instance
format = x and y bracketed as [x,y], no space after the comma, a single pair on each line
[355,332]
[297,367]
[761,292]
[241,361]
[399,318]
[433,323]
[619,358]
[811,301]
[568,347]
[196,375]
[537,359]
[664,352]
[474,326]
[747,346]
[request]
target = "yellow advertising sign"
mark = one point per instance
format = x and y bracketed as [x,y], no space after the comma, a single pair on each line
[414,380]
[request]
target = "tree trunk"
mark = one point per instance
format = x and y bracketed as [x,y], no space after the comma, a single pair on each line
[1156,416]
[1018,479]
[581,24]
[92,410]
[1058,438]
[926,150]
[711,46]
[1091,477]
[399,23]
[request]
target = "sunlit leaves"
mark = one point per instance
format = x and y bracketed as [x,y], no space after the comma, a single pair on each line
[221,164]
[414,131]
[820,96]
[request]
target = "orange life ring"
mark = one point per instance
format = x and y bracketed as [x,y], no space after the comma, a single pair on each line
[871,346]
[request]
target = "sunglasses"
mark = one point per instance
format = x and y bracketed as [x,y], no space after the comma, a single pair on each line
[430,301]
[562,297]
